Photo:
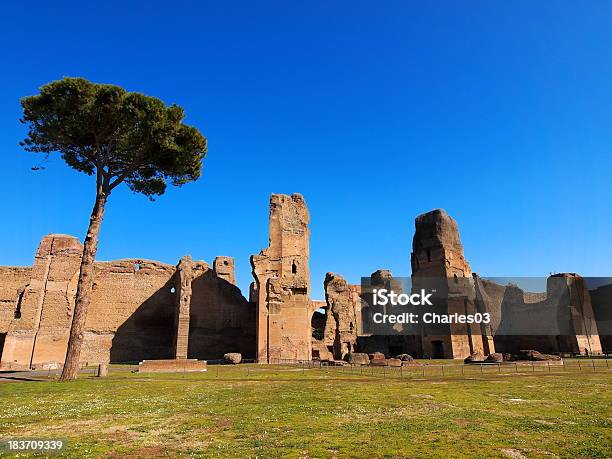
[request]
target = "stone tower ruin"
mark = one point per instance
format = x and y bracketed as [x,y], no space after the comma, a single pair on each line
[341,327]
[282,284]
[438,262]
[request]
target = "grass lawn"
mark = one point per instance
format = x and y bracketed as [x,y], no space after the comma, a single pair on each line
[264,411]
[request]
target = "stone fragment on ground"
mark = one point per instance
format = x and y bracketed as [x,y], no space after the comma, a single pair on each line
[358,358]
[474,357]
[233,357]
[377,356]
[496,357]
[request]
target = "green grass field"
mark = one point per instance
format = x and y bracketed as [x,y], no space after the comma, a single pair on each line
[267,411]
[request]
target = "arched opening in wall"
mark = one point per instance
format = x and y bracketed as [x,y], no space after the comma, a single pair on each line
[2,338]
[395,350]
[294,267]
[437,349]
[317,324]
[17,314]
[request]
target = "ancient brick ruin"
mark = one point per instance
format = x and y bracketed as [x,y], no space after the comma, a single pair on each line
[566,301]
[437,253]
[140,310]
[282,284]
[146,310]
[438,262]
[341,326]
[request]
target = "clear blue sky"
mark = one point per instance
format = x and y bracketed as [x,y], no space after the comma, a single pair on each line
[499,112]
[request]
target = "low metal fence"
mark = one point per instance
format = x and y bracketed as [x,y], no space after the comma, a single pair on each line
[412,370]
[426,369]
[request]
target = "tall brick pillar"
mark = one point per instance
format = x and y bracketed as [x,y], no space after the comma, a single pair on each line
[184,273]
[283,284]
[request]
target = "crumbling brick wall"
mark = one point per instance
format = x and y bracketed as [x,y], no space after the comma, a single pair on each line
[12,284]
[341,318]
[132,313]
[45,304]
[601,298]
[559,320]
[221,319]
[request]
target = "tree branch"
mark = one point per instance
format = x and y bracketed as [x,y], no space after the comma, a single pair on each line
[122,177]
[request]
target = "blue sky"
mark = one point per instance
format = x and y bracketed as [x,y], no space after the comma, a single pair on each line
[499,112]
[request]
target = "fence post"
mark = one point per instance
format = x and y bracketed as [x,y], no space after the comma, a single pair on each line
[442,369]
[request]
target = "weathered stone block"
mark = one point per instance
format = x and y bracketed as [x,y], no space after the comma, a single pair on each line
[496,357]
[474,357]
[376,356]
[358,358]
[233,357]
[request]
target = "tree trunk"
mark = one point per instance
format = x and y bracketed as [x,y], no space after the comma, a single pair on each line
[84,288]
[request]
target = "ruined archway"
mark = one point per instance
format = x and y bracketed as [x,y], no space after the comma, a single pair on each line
[2,338]
[322,348]
[437,349]
[317,324]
